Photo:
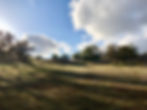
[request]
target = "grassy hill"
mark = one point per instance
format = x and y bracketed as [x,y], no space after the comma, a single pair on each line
[51,86]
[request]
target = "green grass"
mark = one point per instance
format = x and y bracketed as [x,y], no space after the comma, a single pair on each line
[50,86]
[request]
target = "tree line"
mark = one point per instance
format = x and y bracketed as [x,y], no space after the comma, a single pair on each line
[113,54]
[12,50]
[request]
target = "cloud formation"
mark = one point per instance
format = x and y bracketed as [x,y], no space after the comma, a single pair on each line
[45,46]
[139,42]
[110,19]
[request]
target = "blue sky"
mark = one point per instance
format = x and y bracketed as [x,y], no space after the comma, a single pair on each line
[47,17]
[71,25]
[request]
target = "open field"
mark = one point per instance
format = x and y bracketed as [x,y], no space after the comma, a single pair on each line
[49,86]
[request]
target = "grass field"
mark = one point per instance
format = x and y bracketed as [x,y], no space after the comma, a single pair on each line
[50,86]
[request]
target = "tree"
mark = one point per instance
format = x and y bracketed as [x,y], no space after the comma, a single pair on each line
[64,58]
[143,58]
[55,57]
[21,49]
[13,51]
[6,41]
[77,56]
[91,53]
[111,53]
[127,53]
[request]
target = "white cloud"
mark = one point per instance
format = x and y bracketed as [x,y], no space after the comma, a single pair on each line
[45,46]
[139,42]
[65,47]
[110,20]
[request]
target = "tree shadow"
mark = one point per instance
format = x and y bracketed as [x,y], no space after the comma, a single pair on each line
[80,96]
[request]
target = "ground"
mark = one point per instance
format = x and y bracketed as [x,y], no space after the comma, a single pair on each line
[50,86]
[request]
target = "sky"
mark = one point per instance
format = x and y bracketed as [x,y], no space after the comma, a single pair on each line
[66,26]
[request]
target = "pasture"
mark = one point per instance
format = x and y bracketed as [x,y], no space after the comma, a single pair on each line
[52,86]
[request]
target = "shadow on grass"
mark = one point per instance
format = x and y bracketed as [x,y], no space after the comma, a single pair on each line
[70,95]
[89,76]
